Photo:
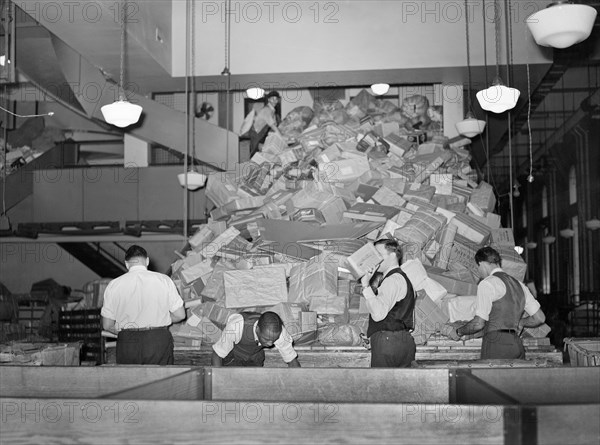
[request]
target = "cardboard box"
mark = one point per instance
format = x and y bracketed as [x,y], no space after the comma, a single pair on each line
[274,144]
[333,210]
[211,249]
[429,318]
[502,238]
[196,272]
[203,235]
[537,332]
[220,189]
[463,253]
[442,183]
[385,196]
[452,285]
[471,229]
[446,241]
[371,212]
[315,278]
[264,286]
[415,272]
[344,170]
[483,197]
[422,227]
[363,259]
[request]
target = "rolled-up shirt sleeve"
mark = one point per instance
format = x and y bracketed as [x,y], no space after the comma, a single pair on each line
[531,304]
[391,290]
[285,347]
[231,335]
[175,300]
[484,300]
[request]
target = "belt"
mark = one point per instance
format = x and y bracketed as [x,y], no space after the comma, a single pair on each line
[145,329]
[512,331]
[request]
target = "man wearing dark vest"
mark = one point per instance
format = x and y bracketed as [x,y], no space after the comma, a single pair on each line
[499,307]
[391,307]
[245,337]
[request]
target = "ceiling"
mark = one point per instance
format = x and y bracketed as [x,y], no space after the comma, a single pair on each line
[557,90]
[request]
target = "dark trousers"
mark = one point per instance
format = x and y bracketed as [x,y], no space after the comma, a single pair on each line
[257,138]
[151,347]
[499,344]
[257,360]
[392,349]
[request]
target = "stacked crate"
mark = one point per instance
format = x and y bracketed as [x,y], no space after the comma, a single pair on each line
[31,308]
[85,326]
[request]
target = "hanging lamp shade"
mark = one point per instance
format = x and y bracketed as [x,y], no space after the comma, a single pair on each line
[195,180]
[469,126]
[567,233]
[549,239]
[593,224]
[519,249]
[562,24]
[121,113]
[498,98]
[255,93]
[531,245]
[380,88]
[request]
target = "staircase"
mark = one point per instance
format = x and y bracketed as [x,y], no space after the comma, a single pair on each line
[106,262]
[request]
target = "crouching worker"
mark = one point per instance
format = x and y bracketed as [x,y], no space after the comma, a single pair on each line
[245,337]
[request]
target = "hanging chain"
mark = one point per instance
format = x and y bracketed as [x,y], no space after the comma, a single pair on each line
[497,34]
[529,125]
[193,61]
[468,54]
[508,27]
[227,35]
[122,74]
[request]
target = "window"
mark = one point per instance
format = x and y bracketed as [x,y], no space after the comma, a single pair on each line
[576,276]
[546,271]
[572,186]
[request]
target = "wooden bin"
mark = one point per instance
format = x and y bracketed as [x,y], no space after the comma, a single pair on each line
[583,351]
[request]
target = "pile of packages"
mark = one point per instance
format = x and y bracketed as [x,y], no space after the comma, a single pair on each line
[285,224]
[15,158]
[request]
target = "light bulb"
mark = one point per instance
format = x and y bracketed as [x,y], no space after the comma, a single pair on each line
[516,193]
[530,178]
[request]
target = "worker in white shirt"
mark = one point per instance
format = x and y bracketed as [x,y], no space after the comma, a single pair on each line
[499,308]
[245,337]
[391,307]
[139,306]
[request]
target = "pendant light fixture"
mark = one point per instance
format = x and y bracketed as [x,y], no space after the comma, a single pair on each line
[122,113]
[379,89]
[255,93]
[191,179]
[498,98]
[593,224]
[470,126]
[562,24]
[567,233]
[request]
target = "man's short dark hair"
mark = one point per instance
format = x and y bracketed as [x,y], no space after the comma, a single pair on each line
[391,246]
[272,94]
[135,251]
[270,325]
[489,255]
